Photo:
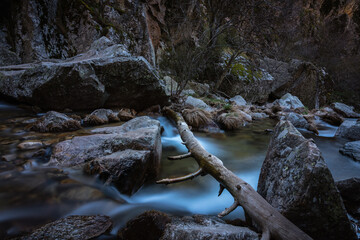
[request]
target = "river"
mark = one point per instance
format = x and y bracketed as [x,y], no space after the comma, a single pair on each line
[32,194]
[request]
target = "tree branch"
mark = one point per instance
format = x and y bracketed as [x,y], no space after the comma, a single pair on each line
[181,179]
[227,211]
[179,157]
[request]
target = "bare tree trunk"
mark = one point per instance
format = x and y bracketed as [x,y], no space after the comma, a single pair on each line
[266,218]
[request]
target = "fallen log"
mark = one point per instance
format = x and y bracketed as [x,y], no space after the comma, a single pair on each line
[267,219]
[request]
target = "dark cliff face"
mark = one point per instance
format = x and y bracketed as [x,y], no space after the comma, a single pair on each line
[36,30]
[327,33]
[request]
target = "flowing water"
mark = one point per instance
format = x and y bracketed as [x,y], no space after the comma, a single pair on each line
[31,194]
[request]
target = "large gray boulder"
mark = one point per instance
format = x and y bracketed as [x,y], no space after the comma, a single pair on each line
[297,120]
[345,110]
[127,156]
[351,149]
[295,180]
[349,129]
[153,225]
[108,77]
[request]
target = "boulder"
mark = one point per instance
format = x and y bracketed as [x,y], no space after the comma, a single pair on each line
[238,100]
[201,89]
[345,110]
[289,101]
[55,122]
[73,227]
[297,120]
[258,116]
[330,116]
[101,116]
[127,169]
[197,103]
[108,78]
[127,156]
[351,149]
[350,193]
[30,145]
[295,180]
[158,225]
[349,129]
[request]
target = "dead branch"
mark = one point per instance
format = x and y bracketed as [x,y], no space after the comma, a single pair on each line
[269,221]
[179,157]
[181,179]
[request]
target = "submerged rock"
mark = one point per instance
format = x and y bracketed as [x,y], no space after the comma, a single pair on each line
[164,227]
[351,149]
[101,116]
[127,155]
[73,227]
[55,122]
[295,180]
[345,110]
[349,129]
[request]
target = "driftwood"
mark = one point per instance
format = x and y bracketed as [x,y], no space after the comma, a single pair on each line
[267,219]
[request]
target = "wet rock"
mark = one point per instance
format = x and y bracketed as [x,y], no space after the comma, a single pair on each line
[165,227]
[350,193]
[345,110]
[127,155]
[289,101]
[55,122]
[127,169]
[100,117]
[330,116]
[349,129]
[295,180]
[204,228]
[8,157]
[107,78]
[238,100]
[197,103]
[73,227]
[30,145]
[147,226]
[351,149]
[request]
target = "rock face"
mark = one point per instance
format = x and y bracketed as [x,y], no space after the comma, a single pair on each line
[36,30]
[165,227]
[73,227]
[55,122]
[108,77]
[351,149]
[350,193]
[295,179]
[349,129]
[345,110]
[127,155]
